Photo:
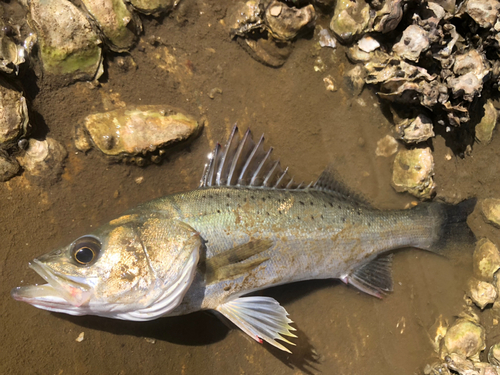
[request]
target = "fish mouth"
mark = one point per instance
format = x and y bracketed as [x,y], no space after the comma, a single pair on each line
[60,294]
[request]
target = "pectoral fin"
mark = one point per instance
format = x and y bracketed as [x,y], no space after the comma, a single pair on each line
[230,264]
[374,277]
[262,318]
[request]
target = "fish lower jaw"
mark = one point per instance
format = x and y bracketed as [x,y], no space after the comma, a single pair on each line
[44,297]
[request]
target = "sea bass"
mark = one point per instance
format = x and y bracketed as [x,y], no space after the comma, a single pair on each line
[247,227]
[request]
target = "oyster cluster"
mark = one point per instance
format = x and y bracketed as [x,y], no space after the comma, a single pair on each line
[460,345]
[13,49]
[441,62]
[41,159]
[267,29]
[14,124]
[70,36]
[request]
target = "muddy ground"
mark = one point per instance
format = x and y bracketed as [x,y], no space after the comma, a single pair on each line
[341,331]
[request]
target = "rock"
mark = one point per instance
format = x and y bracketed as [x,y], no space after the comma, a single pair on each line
[413,171]
[491,211]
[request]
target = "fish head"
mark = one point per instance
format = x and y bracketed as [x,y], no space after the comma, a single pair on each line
[133,269]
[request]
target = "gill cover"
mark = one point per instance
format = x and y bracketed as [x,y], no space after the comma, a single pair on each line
[172,252]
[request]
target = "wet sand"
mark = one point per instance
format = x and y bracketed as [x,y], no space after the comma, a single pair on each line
[341,331]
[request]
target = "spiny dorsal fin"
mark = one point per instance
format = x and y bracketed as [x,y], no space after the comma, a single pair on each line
[228,264]
[245,163]
[329,181]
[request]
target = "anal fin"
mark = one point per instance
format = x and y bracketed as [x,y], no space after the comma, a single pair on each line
[374,277]
[262,318]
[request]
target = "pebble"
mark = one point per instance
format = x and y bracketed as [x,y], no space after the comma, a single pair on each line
[80,337]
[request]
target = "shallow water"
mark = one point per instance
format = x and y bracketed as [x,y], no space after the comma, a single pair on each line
[340,330]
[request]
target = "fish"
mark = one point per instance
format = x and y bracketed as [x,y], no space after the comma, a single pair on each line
[247,227]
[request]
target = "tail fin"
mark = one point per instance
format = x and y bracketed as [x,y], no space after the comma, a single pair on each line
[454,230]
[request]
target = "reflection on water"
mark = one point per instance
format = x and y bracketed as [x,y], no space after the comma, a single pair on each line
[340,330]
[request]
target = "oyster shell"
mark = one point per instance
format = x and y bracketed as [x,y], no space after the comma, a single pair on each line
[8,167]
[465,338]
[350,20]
[448,5]
[285,23]
[460,364]
[13,115]
[484,368]
[136,132]
[326,40]
[11,54]
[413,171]
[68,44]
[153,7]
[485,260]
[415,130]
[436,368]
[266,32]
[484,12]
[413,42]
[43,160]
[355,79]
[484,130]
[481,292]
[244,17]
[491,211]
[494,354]
[368,44]
[471,69]
[386,146]
[388,17]
[468,86]
[471,61]
[117,23]
[266,50]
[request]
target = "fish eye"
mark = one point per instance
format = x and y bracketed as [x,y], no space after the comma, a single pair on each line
[85,250]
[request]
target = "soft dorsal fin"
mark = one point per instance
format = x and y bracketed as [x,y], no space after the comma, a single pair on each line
[245,163]
[329,181]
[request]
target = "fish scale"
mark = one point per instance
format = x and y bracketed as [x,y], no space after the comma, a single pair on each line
[247,227]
